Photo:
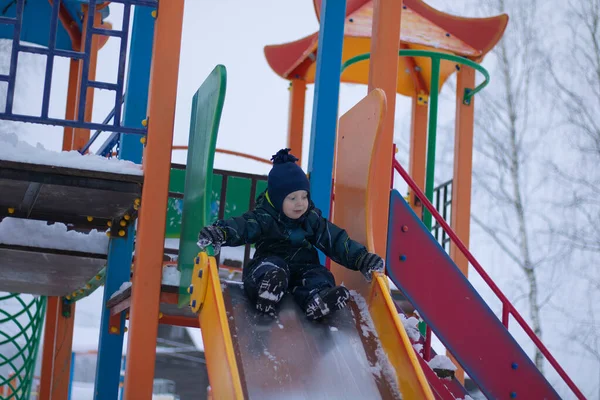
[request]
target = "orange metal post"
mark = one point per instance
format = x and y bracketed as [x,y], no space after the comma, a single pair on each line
[58,331]
[68,135]
[463,168]
[296,117]
[418,151]
[146,279]
[81,136]
[56,361]
[48,349]
[383,74]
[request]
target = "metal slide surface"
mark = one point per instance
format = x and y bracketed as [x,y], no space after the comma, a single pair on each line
[292,357]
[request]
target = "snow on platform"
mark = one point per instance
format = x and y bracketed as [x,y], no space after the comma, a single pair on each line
[31,233]
[13,149]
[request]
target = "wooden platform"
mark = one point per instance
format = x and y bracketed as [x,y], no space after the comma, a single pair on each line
[66,195]
[171,313]
[46,272]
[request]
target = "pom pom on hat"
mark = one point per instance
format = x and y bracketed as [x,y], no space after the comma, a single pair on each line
[285,177]
[283,156]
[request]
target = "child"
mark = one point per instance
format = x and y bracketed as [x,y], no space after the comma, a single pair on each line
[287,229]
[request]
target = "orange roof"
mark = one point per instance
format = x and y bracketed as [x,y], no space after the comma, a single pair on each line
[422,28]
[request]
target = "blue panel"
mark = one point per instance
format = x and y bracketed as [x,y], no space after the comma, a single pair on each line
[325,107]
[136,103]
[119,260]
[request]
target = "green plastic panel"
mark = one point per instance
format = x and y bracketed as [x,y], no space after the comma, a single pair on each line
[237,199]
[207,106]
[175,206]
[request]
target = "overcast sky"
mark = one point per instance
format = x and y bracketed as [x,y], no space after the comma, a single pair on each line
[255,115]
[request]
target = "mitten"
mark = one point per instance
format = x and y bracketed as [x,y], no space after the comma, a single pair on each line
[211,235]
[370,263]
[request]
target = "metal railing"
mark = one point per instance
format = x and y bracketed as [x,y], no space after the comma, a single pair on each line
[225,175]
[58,13]
[96,134]
[251,201]
[442,198]
[436,59]
[507,307]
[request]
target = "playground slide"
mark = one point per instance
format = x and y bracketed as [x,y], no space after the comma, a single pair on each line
[250,355]
[428,277]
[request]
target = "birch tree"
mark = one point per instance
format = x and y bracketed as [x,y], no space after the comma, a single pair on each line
[577,84]
[508,133]
[578,88]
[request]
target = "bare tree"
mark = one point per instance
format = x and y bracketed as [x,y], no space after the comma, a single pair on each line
[582,333]
[578,99]
[588,333]
[508,131]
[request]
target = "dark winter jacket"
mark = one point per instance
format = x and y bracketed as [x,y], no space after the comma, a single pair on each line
[293,240]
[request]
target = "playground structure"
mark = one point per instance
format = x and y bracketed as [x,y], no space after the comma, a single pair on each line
[357,42]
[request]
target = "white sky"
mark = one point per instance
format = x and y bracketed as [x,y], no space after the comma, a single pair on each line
[255,114]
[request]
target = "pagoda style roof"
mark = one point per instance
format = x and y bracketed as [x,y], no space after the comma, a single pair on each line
[423,28]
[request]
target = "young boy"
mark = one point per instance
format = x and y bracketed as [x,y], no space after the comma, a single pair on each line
[287,229]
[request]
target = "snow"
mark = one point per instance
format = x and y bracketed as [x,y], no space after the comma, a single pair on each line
[124,287]
[419,348]
[24,232]
[226,253]
[196,336]
[333,329]
[171,276]
[171,243]
[441,362]
[270,296]
[13,149]
[85,391]
[411,327]
[382,365]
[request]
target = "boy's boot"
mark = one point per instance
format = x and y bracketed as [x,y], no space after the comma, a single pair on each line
[326,301]
[271,290]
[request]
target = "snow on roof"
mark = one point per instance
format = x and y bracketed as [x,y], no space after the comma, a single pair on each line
[32,233]
[13,149]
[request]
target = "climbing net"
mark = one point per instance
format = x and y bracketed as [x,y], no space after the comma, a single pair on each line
[21,321]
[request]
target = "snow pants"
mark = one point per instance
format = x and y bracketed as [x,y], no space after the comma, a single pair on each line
[303,280]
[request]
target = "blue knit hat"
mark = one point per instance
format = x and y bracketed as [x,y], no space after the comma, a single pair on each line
[284,178]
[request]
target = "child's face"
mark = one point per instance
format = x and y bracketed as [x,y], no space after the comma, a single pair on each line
[295,204]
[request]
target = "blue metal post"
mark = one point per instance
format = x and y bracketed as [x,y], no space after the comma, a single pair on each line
[136,102]
[325,106]
[83,87]
[71,374]
[50,59]
[14,56]
[108,368]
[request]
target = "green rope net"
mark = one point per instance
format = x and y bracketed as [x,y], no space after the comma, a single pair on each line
[21,322]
